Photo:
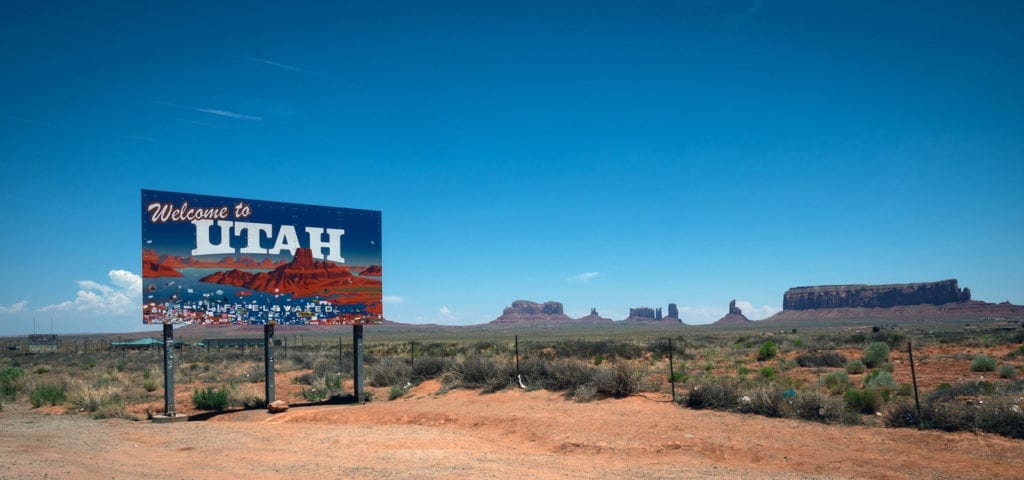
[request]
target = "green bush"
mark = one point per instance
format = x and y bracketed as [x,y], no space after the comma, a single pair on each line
[396,392]
[714,393]
[826,359]
[983,363]
[46,394]
[10,382]
[1007,371]
[854,367]
[479,371]
[768,402]
[875,354]
[837,382]
[390,371]
[824,409]
[768,372]
[864,401]
[150,385]
[210,399]
[428,367]
[620,380]
[768,350]
[880,379]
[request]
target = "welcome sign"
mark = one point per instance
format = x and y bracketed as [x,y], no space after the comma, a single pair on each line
[218,260]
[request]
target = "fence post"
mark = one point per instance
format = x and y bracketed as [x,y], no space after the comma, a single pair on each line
[913,376]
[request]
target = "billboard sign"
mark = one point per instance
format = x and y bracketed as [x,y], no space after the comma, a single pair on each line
[220,260]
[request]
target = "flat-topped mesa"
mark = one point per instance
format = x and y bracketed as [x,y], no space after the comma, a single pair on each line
[874,296]
[650,315]
[524,307]
[523,312]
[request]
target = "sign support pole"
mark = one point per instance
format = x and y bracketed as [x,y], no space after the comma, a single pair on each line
[268,360]
[357,362]
[168,370]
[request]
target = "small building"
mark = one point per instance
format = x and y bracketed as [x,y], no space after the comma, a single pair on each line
[141,344]
[43,343]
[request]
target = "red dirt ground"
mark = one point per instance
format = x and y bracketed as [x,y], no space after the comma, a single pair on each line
[510,434]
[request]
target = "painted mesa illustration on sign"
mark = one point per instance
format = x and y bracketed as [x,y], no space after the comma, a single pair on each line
[218,260]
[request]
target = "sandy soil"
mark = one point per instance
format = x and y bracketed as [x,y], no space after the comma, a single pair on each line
[510,434]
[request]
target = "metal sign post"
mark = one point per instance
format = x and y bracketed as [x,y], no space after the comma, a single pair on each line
[168,370]
[357,362]
[268,360]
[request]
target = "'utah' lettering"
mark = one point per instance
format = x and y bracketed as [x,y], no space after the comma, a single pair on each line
[254,233]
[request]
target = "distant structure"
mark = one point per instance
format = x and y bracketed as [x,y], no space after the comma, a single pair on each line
[43,343]
[733,309]
[673,311]
[734,317]
[875,296]
[650,315]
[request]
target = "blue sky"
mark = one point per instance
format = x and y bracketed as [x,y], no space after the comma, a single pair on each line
[600,154]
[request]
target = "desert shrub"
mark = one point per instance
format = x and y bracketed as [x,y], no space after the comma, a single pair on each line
[568,374]
[390,371]
[308,378]
[983,363]
[620,380]
[590,349]
[396,392]
[854,367]
[900,414]
[43,369]
[479,371]
[715,393]
[880,379]
[768,350]
[836,382]
[210,399]
[875,354]
[87,398]
[10,382]
[824,409]
[428,367]
[46,394]
[314,394]
[248,397]
[768,402]
[768,372]
[150,384]
[1007,371]
[949,393]
[864,401]
[584,393]
[824,359]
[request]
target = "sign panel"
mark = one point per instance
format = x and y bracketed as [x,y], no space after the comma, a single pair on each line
[219,260]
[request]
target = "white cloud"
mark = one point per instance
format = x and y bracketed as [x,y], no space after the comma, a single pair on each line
[584,277]
[392,299]
[446,314]
[212,111]
[16,308]
[699,315]
[95,298]
[755,313]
